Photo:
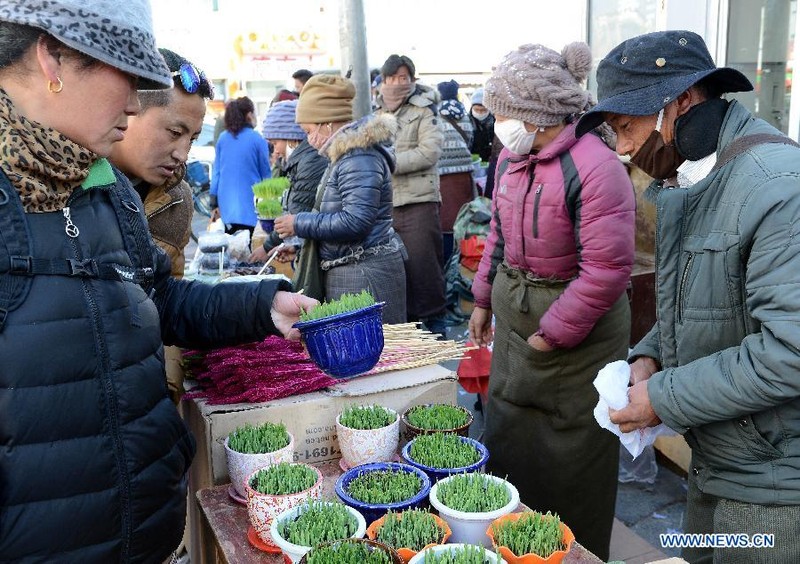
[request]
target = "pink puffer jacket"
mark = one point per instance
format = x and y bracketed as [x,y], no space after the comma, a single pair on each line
[531,230]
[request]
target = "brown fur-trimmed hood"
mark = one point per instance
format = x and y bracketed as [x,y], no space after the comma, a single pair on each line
[374,130]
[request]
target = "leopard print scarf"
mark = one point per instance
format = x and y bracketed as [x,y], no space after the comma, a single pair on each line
[43,165]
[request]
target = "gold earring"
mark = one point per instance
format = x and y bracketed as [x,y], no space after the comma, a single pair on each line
[57,89]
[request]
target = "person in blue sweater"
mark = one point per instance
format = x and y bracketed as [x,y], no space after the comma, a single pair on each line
[242,159]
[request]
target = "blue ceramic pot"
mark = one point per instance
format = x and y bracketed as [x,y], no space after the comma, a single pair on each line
[436,474]
[268,225]
[374,511]
[347,344]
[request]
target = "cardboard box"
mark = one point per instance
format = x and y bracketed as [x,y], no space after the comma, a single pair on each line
[676,450]
[310,418]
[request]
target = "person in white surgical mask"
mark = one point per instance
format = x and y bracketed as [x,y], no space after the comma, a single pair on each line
[554,271]
[484,142]
[302,164]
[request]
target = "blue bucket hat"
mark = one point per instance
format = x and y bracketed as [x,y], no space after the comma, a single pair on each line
[643,74]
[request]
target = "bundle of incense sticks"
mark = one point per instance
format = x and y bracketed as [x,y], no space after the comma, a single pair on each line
[276,368]
[408,346]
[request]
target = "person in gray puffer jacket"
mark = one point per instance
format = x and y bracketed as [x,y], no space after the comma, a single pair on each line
[358,247]
[722,364]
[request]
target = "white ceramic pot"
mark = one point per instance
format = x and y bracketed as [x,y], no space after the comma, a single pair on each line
[296,551]
[490,557]
[263,508]
[368,445]
[241,465]
[471,528]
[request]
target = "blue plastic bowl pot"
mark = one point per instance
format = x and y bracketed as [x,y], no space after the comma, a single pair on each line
[268,225]
[436,474]
[374,511]
[347,344]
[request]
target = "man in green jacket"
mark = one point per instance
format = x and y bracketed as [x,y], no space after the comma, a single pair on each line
[722,363]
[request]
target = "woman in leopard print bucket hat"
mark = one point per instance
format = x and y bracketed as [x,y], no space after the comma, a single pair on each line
[94,454]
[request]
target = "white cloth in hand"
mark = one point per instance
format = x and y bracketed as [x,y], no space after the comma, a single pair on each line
[612,385]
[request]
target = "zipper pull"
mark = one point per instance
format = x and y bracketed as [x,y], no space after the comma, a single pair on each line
[71,229]
[539,188]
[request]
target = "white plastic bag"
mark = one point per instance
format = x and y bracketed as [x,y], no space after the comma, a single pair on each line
[612,385]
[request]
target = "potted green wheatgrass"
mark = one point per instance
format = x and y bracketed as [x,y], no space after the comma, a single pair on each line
[378,487]
[344,336]
[457,554]
[367,433]
[531,536]
[300,528]
[436,418]
[352,551]
[470,502]
[409,531]
[442,454]
[276,488]
[268,197]
[250,447]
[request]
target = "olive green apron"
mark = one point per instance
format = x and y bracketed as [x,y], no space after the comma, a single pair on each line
[540,430]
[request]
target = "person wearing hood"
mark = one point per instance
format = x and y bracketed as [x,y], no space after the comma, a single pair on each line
[358,248]
[415,184]
[303,165]
[554,271]
[720,365]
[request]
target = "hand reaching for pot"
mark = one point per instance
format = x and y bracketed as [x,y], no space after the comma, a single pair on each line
[285,312]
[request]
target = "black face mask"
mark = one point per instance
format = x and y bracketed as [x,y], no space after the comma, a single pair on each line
[697,131]
[657,158]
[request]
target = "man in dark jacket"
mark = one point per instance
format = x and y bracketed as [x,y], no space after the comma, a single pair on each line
[721,363]
[153,156]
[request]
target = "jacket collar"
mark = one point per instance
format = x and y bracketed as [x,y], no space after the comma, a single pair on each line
[736,119]
[563,142]
[375,130]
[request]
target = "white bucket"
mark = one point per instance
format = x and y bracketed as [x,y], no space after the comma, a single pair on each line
[490,557]
[296,551]
[470,528]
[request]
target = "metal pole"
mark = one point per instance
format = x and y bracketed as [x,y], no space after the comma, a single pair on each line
[353,43]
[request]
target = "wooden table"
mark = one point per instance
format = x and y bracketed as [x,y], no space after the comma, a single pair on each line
[226,522]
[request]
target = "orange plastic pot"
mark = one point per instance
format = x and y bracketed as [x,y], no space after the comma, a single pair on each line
[530,558]
[406,553]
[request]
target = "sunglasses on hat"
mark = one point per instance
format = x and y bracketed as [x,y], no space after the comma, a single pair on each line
[191,78]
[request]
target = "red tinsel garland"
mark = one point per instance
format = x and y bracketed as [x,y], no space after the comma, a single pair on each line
[272,369]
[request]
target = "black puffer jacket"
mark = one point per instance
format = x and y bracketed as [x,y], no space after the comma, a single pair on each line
[94,454]
[483,137]
[356,208]
[304,169]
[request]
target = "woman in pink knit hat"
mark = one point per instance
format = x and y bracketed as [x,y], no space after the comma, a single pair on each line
[554,272]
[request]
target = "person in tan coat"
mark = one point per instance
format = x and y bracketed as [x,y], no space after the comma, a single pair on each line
[415,187]
[153,156]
